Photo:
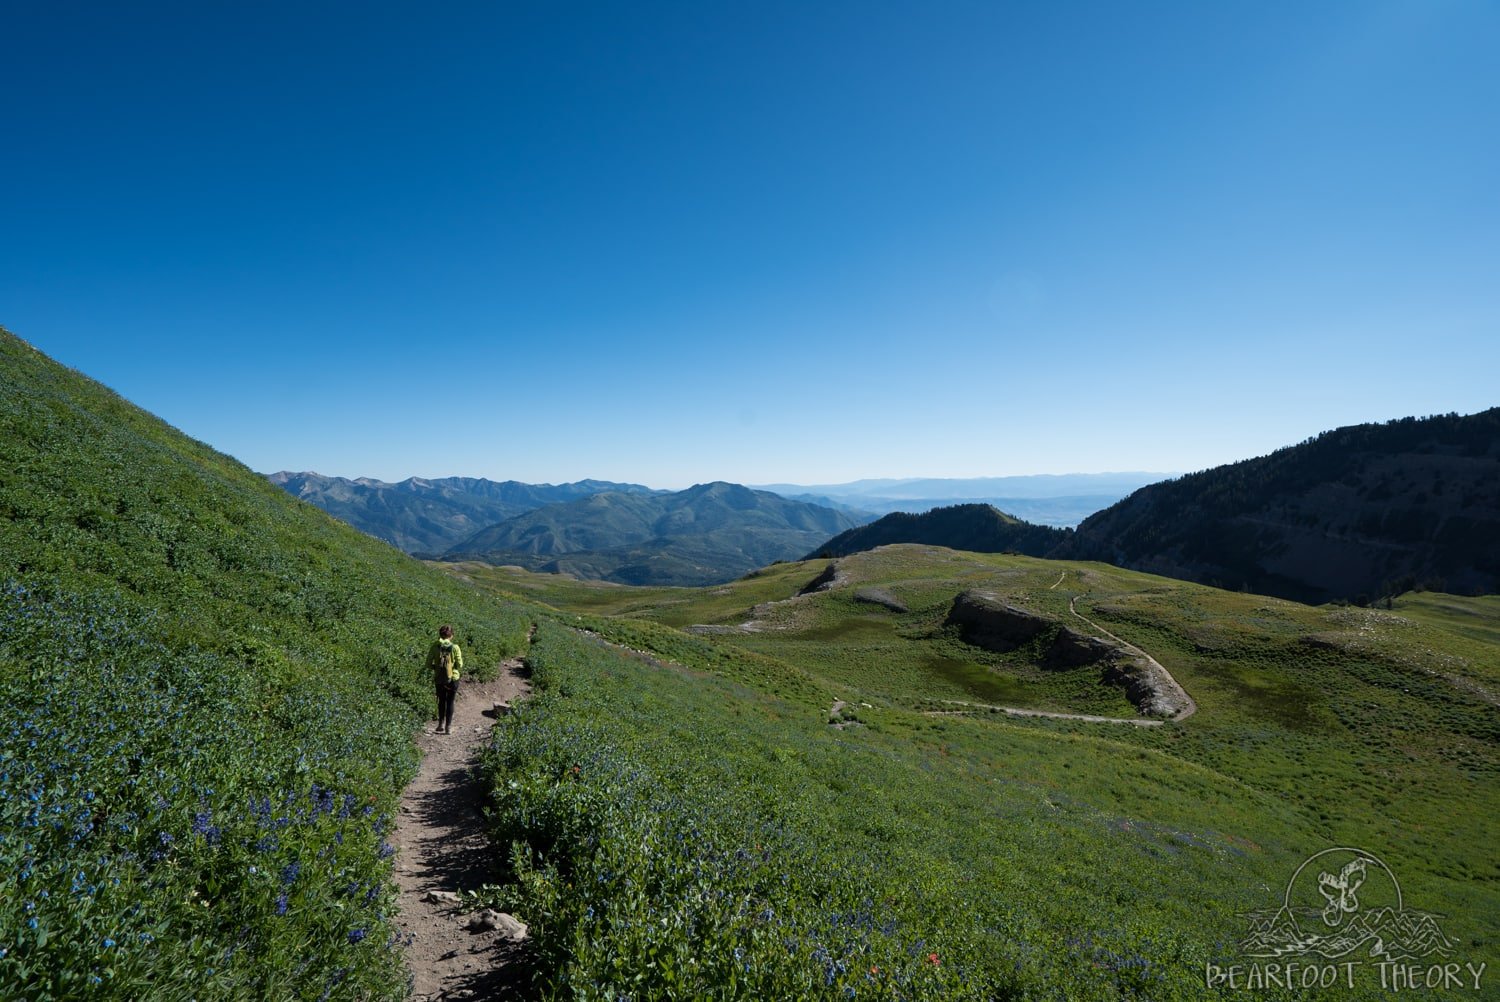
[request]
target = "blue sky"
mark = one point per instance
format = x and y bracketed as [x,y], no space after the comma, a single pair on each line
[671,243]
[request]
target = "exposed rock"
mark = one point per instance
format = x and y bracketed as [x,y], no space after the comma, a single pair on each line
[832,577]
[1145,686]
[1070,650]
[841,715]
[987,621]
[441,897]
[490,920]
[881,597]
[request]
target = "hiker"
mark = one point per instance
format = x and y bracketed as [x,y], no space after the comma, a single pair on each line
[445,661]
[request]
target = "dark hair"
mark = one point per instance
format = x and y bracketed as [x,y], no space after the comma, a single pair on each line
[445,631]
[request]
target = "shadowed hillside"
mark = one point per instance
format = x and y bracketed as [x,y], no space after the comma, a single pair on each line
[1356,513]
[1359,513]
[979,528]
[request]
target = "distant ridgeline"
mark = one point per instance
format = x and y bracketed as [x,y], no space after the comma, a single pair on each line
[592,529]
[1356,513]
[707,534]
[427,517]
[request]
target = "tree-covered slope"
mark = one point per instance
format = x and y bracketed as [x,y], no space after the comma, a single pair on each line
[207,691]
[978,528]
[706,534]
[1357,513]
[427,517]
[1368,510]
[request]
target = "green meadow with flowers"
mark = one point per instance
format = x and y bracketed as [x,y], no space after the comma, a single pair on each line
[207,696]
[208,692]
[673,799]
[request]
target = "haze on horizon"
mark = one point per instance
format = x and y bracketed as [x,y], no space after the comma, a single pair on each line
[669,243]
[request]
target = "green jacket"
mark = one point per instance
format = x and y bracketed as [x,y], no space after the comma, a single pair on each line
[435,660]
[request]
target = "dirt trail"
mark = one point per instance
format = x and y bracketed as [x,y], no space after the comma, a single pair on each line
[1189,706]
[442,847]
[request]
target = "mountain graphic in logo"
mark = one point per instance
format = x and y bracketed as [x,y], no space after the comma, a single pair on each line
[1333,913]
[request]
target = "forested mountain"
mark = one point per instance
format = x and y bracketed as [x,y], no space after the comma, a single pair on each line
[1362,511]
[978,528]
[1061,500]
[706,534]
[426,517]
[1356,513]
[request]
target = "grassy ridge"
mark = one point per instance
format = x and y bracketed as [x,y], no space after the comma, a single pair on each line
[207,692]
[1318,727]
[679,832]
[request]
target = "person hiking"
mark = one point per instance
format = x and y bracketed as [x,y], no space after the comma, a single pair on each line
[446,662]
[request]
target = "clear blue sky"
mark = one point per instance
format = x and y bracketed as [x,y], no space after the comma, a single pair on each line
[670,243]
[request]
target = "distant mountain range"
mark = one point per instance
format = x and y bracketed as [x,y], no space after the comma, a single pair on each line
[1359,512]
[428,517]
[1060,500]
[590,529]
[704,535]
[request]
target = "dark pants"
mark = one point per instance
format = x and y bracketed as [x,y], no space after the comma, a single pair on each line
[446,693]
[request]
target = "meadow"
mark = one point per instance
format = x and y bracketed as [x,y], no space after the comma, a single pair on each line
[208,692]
[1034,858]
[207,696]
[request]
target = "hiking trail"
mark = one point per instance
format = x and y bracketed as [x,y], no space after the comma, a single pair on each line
[442,850]
[1189,705]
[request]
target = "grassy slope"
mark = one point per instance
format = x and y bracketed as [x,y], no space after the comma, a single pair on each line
[180,640]
[1318,727]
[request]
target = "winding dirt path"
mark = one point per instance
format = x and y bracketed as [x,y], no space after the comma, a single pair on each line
[1189,705]
[442,849]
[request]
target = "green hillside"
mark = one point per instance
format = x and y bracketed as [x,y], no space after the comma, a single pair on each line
[795,785]
[703,535]
[207,691]
[721,807]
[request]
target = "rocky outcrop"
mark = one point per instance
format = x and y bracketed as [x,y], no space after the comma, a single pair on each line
[985,620]
[1153,692]
[831,577]
[1072,650]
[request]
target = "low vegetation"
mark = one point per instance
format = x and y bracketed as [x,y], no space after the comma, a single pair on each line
[1033,857]
[207,693]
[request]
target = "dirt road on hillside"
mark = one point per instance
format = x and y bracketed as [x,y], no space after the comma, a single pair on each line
[442,850]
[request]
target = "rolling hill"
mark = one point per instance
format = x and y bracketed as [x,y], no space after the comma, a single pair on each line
[706,534]
[1002,805]
[426,517]
[824,780]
